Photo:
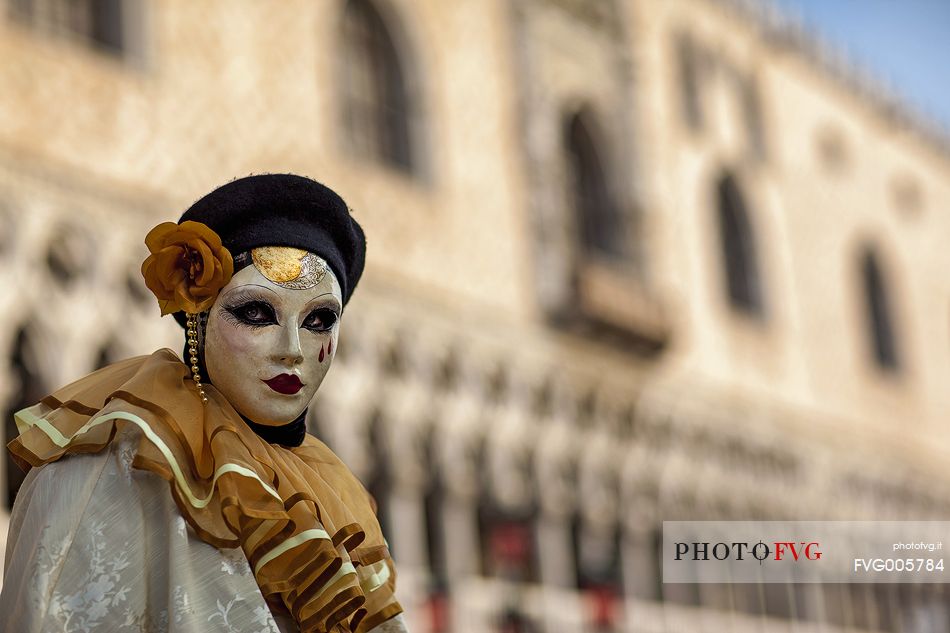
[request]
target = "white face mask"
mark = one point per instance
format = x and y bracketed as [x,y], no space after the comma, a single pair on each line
[270,338]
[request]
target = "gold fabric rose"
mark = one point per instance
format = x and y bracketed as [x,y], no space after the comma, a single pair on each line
[187,267]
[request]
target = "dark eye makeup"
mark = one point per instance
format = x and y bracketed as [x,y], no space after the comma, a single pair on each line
[259,313]
[320,320]
[254,313]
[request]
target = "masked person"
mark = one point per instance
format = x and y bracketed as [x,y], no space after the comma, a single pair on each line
[187,496]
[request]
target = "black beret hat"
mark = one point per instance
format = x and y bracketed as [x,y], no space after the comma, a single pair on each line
[285,210]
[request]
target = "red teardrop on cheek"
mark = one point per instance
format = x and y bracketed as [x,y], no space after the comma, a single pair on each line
[321,353]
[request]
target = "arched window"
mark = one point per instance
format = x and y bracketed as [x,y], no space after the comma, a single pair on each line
[433,503]
[377,108]
[99,22]
[878,310]
[598,217]
[69,253]
[740,264]
[28,390]
[381,479]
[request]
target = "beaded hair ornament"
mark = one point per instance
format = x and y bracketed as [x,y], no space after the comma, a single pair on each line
[187,268]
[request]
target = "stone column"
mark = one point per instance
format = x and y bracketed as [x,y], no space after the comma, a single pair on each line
[556,474]
[638,565]
[456,452]
[408,532]
[556,565]
[460,515]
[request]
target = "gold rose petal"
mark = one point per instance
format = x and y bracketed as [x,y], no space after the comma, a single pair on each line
[187,267]
[155,239]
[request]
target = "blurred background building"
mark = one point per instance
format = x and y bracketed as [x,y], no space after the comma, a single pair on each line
[628,261]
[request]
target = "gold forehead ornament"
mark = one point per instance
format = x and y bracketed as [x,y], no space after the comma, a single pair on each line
[289,267]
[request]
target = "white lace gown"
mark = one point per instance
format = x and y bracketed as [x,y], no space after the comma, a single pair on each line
[98,546]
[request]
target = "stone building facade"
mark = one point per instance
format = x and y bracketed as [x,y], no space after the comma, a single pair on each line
[629,261]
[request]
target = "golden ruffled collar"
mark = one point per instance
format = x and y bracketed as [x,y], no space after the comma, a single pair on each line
[304,521]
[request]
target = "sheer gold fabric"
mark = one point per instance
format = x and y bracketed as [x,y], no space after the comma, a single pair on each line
[305,523]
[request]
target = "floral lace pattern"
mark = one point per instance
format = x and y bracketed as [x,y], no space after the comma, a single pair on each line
[82,608]
[95,546]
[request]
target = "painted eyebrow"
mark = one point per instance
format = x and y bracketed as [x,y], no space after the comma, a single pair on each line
[249,291]
[249,288]
[316,303]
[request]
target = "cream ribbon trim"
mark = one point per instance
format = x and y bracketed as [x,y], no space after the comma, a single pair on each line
[294,541]
[25,420]
[373,579]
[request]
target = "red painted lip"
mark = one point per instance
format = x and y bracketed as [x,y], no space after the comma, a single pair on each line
[285,383]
